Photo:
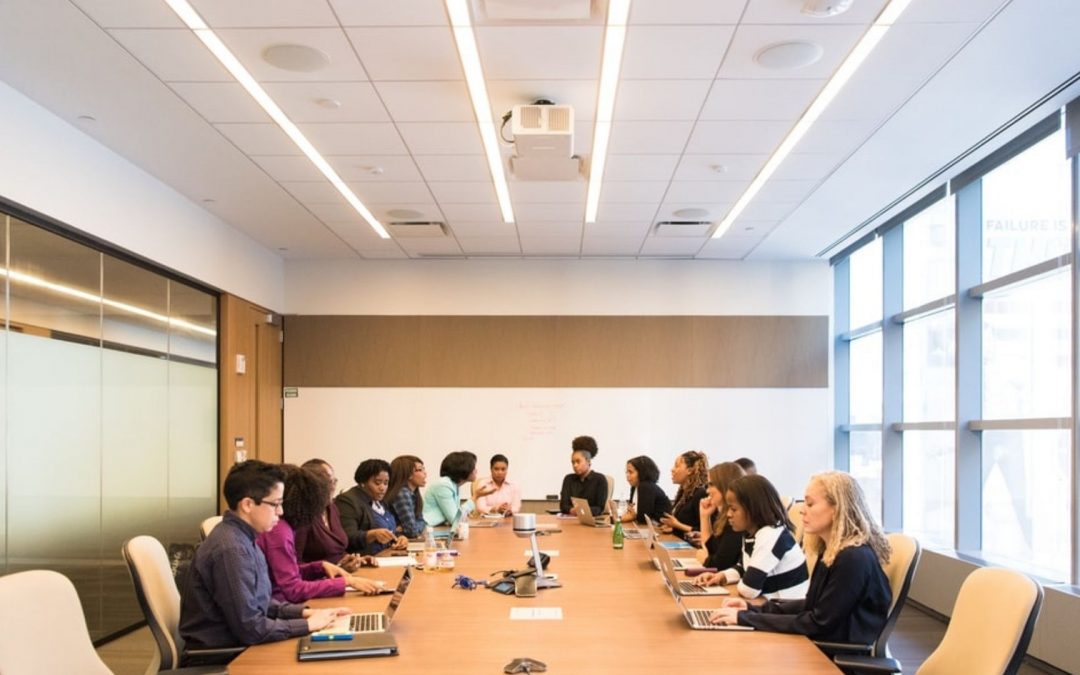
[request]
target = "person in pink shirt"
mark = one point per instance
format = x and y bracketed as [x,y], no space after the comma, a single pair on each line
[305,498]
[506,497]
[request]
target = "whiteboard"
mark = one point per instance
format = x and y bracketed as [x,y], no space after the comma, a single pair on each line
[787,432]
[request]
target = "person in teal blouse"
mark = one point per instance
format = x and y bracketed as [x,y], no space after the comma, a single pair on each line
[442,501]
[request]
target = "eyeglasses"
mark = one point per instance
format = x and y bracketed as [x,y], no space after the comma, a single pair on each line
[272,503]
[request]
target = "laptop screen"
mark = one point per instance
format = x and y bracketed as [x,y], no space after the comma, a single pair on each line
[403,586]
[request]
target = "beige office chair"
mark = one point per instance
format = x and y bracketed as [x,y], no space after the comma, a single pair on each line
[610,489]
[44,630]
[159,599]
[900,570]
[207,526]
[989,631]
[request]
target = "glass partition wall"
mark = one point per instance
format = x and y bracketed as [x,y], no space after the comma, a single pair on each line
[108,413]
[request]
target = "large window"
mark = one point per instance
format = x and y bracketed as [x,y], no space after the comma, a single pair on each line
[987,292]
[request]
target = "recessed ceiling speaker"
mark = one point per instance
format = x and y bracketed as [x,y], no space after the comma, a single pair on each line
[826,8]
[296,58]
[789,55]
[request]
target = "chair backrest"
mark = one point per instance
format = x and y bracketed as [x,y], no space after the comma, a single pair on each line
[610,488]
[903,559]
[158,597]
[991,625]
[44,630]
[207,526]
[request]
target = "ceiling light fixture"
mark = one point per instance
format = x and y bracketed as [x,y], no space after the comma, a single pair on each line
[474,77]
[614,38]
[195,22]
[855,58]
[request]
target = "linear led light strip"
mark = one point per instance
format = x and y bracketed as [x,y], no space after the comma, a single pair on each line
[31,280]
[474,77]
[614,38]
[855,59]
[190,17]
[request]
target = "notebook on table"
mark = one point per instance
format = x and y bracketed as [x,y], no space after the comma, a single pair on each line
[358,646]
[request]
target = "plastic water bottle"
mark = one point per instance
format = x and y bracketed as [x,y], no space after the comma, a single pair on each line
[617,536]
[431,552]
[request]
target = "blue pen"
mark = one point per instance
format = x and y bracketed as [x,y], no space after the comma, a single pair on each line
[330,637]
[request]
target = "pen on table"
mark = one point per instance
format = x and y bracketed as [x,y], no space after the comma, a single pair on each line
[331,637]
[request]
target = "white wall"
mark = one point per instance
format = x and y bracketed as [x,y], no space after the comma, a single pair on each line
[558,287]
[50,166]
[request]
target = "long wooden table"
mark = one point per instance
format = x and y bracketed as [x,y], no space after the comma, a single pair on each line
[618,617]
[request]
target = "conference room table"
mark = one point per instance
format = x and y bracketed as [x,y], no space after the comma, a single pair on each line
[617,617]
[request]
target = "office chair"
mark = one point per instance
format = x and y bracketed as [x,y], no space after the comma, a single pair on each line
[989,632]
[900,570]
[159,600]
[44,628]
[610,488]
[207,526]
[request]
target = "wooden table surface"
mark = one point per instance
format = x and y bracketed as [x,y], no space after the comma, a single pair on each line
[618,617]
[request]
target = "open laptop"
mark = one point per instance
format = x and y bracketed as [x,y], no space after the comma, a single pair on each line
[370,622]
[684,587]
[698,619]
[652,541]
[584,514]
[628,532]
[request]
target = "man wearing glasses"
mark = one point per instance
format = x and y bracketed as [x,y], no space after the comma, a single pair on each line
[226,601]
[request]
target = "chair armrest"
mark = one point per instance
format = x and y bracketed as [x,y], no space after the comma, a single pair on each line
[210,656]
[852,648]
[867,664]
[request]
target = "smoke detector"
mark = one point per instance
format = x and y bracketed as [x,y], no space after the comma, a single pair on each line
[825,8]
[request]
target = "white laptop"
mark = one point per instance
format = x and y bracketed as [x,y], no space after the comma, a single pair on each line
[370,622]
[698,619]
[584,514]
[684,587]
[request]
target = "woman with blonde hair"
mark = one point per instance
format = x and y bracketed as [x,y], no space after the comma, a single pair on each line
[718,538]
[691,474]
[849,595]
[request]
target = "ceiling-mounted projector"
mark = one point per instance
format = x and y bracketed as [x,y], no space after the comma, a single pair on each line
[543,142]
[826,8]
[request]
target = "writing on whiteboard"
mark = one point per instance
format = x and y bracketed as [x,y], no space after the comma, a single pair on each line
[540,419]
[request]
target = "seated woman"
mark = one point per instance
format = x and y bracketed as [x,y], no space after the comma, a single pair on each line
[442,501]
[849,595]
[407,476]
[306,493]
[772,563]
[691,474]
[325,538]
[722,544]
[646,497]
[583,482]
[505,498]
[369,524]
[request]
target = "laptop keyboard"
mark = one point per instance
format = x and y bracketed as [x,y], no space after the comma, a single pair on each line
[365,623]
[689,588]
[699,618]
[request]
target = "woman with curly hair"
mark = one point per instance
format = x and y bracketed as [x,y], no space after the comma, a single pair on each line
[849,595]
[691,474]
[304,501]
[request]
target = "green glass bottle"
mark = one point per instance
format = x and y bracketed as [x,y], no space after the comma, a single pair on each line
[617,536]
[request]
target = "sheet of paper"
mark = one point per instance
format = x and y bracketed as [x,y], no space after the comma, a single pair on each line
[536,613]
[552,553]
[396,561]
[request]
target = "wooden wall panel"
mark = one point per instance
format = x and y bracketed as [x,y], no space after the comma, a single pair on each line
[556,351]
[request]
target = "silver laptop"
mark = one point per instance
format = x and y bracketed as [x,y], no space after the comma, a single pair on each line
[584,514]
[684,587]
[652,538]
[698,619]
[370,622]
[628,532]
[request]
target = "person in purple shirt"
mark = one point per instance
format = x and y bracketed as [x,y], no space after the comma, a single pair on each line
[226,600]
[324,538]
[306,494]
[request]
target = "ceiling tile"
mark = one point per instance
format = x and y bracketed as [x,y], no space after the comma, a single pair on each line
[726,191]
[248,44]
[444,101]
[125,14]
[549,212]
[640,167]
[354,138]
[768,210]
[259,139]
[540,52]
[836,39]
[679,246]
[364,168]
[674,52]
[390,12]
[313,192]
[289,168]
[407,53]
[617,230]
[264,13]
[442,138]
[836,136]
[388,192]
[694,12]
[172,55]
[751,228]
[786,190]
[542,245]
[384,254]
[611,246]
[728,247]
[454,167]
[717,210]
[632,192]
[806,166]
[524,192]
[720,167]
[662,138]
[220,101]
[660,99]
[615,212]
[464,192]
[550,229]
[493,229]
[760,99]
[736,137]
[578,94]
[490,245]
[430,246]
[334,214]
[969,11]
[473,213]
[314,101]
[790,12]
